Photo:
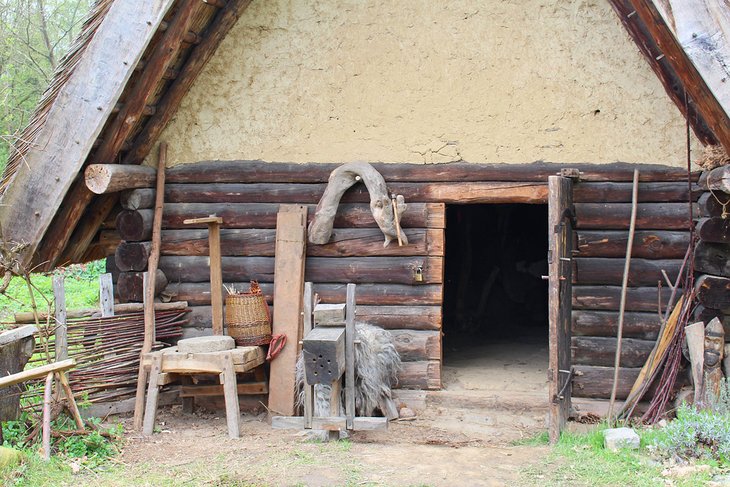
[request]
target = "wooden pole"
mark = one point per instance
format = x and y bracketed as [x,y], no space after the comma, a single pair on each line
[59,295]
[624,285]
[47,417]
[149,287]
[397,221]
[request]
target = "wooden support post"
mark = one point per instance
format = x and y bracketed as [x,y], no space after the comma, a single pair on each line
[216,273]
[307,325]
[230,393]
[149,287]
[335,402]
[72,406]
[59,295]
[350,356]
[106,295]
[153,392]
[47,417]
[288,290]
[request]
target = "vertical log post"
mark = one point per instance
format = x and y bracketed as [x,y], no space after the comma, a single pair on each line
[59,296]
[307,327]
[149,286]
[106,295]
[350,356]
[47,417]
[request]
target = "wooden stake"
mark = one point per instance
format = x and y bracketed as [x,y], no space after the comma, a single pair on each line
[397,222]
[350,356]
[149,287]
[59,295]
[307,325]
[47,417]
[624,285]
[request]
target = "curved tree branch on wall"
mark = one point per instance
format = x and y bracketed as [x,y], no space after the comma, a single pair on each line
[342,179]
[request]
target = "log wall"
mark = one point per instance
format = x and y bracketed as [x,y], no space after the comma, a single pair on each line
[247,196]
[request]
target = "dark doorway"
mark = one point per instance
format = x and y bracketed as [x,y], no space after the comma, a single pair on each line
[496,255]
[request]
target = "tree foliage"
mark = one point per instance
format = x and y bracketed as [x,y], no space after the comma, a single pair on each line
[34,35]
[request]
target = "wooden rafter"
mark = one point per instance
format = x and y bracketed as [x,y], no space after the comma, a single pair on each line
[696,86]
[168,104]
[662,68]
[75,120]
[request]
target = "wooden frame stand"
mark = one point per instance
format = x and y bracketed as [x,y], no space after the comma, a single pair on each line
[324,350]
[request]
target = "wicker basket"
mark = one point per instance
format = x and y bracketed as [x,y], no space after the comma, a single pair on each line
[247,317]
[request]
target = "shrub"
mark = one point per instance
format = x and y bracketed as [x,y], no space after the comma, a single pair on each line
[697,434]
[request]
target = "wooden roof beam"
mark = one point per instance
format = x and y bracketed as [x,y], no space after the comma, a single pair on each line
[699,92]
[167,105]
[76,119]
[662,68]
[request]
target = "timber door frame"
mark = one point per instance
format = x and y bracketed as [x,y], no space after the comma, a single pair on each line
[560,246]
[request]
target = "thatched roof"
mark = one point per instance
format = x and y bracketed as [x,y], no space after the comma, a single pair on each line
[133,62]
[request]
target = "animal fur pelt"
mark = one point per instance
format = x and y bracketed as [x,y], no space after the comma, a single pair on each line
[376,365]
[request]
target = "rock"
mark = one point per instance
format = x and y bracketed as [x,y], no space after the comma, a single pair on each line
[617,438]
[207,344]
[406,413]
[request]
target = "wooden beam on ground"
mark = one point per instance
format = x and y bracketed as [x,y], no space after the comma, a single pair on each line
[168,104]
[75,120]
[110,178]
[288,292]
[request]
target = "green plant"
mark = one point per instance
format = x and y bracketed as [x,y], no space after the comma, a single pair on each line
[697,433]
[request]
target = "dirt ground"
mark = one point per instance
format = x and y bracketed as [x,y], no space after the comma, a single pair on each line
[463,435]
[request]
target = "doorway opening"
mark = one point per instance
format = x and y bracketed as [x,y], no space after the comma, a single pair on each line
[495,308]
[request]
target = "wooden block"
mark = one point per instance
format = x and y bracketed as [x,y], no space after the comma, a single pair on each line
[329,314]
[288,291]
[324,355]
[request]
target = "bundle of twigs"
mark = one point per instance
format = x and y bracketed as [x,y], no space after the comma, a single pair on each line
[107,351]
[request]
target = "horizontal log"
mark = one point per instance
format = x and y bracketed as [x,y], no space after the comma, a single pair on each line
[393,270]
[130,285]
[110,178]
[711,204]
[596,382]
[605,324]
[601,351]
[119,309]
[648,244]
[132,256]
[263,215]
[415,345]
[715,229]
[712,258]
[649,216]
[389,317]
[718,179]
[135,225]
[420,375]
[713,291]
[613,192]
[265,172]
[345,242]
[454,192]
[137,199]
[643,272]
[609,297]
[198,293]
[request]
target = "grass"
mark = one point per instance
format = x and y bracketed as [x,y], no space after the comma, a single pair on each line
[81,285]
[580,459]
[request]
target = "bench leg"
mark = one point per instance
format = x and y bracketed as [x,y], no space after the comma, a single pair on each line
[188,403]
[153,392]
[230,392]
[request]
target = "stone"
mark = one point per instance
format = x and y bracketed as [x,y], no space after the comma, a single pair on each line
[406,413]
[217,343]
[617,438]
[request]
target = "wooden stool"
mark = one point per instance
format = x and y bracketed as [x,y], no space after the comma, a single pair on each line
[169,364]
